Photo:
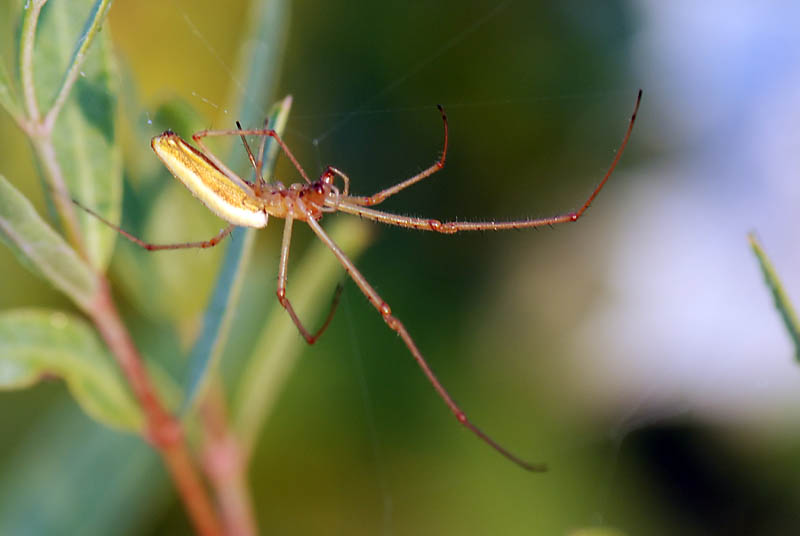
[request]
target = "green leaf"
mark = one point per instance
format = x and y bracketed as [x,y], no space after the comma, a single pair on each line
[74,68]
[41,249]
[65,33]
[38,343]
[782,302]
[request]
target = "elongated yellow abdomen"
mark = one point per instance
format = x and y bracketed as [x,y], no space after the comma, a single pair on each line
[217,191]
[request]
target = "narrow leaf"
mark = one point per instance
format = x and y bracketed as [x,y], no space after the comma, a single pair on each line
[41,249]
[219,315]
[258,65]
[38,343]
[782,302]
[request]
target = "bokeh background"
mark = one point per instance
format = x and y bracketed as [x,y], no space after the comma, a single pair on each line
[637,352]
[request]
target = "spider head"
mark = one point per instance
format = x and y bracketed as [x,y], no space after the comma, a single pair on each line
[327,178]
[325,190]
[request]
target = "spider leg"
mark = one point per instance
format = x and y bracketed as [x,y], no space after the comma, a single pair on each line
[354,206]
[211,242]
[258,180]
[449,227]
[388,192]
[395,324]
[198,138]
[261,150]
[281,292]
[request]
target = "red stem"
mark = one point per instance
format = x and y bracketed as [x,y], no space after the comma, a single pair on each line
[224,464]
[162,429]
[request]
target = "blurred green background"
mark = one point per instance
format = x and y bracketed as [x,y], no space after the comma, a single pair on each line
[636,352]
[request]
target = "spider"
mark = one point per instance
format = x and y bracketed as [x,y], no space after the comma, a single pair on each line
[250,204]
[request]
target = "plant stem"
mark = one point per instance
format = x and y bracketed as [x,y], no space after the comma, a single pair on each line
[163,430]
[28,40]
[225,464]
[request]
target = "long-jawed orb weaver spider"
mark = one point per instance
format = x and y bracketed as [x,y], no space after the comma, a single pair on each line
[242,203]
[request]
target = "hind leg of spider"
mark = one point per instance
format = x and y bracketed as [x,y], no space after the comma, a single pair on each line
[388,192]
[395,324]
[202,244]
[281,292]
